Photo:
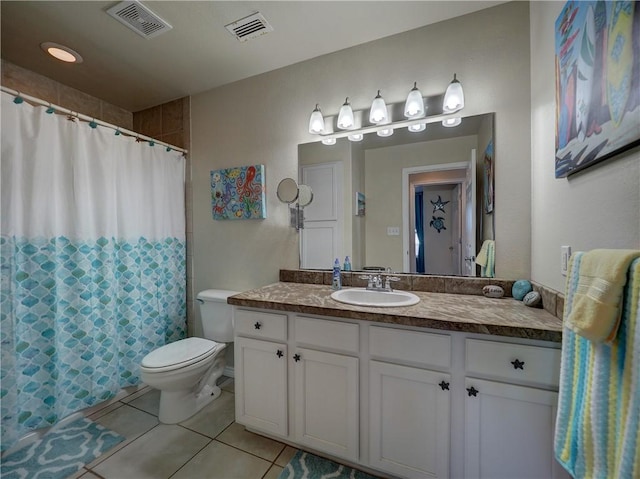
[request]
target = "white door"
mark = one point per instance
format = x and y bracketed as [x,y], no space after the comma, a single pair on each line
[326,402]
[409,421]
[509,432]
[261,385]
[469,225]
[321,237]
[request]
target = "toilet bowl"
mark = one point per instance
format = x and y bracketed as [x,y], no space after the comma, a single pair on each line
[186,371]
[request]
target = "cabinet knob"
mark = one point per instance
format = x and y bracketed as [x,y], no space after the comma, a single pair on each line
[444,385]
[296,357]
[517,364]
[472,391]
[258,325]
[279,353]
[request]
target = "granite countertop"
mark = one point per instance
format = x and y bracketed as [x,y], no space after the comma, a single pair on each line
[452,312]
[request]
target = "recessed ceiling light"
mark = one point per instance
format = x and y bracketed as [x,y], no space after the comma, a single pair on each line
[61,52]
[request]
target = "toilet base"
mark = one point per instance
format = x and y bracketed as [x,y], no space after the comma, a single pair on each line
[178,406]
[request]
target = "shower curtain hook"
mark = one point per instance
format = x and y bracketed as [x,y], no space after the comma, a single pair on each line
[71,116]
[117,131]
[50,110]
[93,123]
[18,99]
[152,143]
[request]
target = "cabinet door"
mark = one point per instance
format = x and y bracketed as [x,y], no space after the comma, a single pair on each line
[326,402]
[409,421]
[509,431]
[261,385]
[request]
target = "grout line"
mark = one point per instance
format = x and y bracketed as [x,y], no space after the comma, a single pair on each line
[191,458]
[251,453]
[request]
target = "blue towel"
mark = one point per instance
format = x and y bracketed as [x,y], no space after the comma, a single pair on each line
[597,432]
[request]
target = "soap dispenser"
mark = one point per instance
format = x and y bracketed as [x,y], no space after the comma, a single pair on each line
[336,281]
[347,264]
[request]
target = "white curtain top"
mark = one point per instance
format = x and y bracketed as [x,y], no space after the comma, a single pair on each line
[64,178]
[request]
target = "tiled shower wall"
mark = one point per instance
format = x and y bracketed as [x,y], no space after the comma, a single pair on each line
[36,85]
[169,123]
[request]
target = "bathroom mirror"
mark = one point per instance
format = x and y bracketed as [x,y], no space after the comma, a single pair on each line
[287,191]
[385,175]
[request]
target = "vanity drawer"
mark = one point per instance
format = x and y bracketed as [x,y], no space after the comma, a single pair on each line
[517,362]
[427,349]
[327,334]
[260,325]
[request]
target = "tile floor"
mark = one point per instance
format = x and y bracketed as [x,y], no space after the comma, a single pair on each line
[207,445]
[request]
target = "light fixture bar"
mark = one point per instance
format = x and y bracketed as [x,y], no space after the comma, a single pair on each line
[386,126]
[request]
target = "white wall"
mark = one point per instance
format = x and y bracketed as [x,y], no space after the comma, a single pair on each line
[264,118]
[596,208]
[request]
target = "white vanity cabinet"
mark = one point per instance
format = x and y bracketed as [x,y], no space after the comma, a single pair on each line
[326,394]
[409,402]
[260,355]
[509,425]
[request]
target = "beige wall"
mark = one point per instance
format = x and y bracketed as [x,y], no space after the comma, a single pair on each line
[383,190]
[597,208]
[262,120]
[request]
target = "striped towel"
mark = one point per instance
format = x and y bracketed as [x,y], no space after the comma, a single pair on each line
[597,432]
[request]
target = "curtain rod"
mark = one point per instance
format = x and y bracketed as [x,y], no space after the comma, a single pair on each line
[32,99]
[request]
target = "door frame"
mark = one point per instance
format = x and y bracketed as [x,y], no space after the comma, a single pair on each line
[407,203]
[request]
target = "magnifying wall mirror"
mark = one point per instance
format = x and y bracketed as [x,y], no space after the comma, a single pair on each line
[289,192]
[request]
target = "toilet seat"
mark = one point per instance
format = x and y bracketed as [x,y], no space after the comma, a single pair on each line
[180,354]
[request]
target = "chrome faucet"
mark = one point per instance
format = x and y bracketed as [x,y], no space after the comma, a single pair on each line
[375,282]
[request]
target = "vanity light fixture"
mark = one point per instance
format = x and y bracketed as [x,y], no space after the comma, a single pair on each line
[417,127]
[414,106]
[378,113]
[316,121]
[61,52]
[451,122]
[413,111]
[345,117]
[453,97]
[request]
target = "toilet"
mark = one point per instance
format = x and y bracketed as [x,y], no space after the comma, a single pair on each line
[186,371]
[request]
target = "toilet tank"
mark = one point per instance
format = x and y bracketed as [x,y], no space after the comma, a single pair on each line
[216,314]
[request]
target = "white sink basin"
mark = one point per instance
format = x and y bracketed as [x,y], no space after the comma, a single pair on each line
[382,299]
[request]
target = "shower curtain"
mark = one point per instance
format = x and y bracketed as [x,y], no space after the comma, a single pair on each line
[93,263]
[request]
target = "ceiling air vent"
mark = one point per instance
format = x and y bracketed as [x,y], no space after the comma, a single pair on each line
[249,27]
[139,18]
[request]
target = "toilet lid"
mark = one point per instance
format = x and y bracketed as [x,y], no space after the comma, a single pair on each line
[180,353]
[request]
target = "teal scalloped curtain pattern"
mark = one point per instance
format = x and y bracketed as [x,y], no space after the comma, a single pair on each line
[93,264]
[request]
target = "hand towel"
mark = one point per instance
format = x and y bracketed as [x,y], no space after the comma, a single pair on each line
[596,309]
[597,432]
[486,259]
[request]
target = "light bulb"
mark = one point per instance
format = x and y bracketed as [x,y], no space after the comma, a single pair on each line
[449,122]
[418,127]
[453,97]
[378,113]
[345,117]
[414,106]
[385,132]
[316,121]
[329,141]
[356,137]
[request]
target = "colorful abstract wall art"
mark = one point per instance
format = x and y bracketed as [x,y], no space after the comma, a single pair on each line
[597,82]
[238,193]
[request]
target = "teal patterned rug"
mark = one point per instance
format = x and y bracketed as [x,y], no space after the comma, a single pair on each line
[307,466]
[60,452]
